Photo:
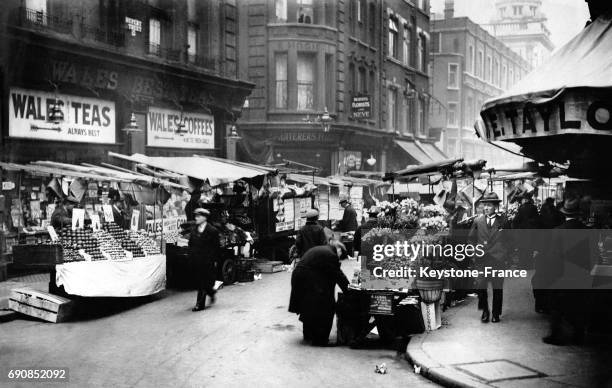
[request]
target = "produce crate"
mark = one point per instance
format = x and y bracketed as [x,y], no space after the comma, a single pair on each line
[38,304]
[37,256]
[266,266]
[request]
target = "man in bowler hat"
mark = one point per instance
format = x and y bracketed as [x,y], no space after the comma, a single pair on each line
[311,234]
[487,231]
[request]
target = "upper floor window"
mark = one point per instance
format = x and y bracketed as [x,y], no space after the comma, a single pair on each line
[372,22]
[154,36]
[518,10]
[422,52]
[191,10]
[504,77]
[280,9]
[359,11]
[533,10]
[362,82]
[192,43]
[305,81]
[453,76]
[281,80]
[393,32]
[489,69]
[452,114]
[480,64]
[511,78]
[406,44]
[422,116]
[470,59]
[305,11]
[392,109]
[36,11]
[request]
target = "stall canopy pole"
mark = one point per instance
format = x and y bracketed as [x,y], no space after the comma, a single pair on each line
[20,206]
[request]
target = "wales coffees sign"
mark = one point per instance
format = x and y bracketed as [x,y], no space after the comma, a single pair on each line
[175,129]
[86,120]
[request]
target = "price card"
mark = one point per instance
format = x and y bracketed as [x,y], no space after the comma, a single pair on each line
[108,213]
[95,222]
[129,255]
[78,219]
[135,218]
[8,185]
[52,233]
[85,255]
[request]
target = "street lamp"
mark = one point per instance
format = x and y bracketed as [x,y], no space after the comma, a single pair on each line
[233,135]
[132,125]
[371,160]
[326,120]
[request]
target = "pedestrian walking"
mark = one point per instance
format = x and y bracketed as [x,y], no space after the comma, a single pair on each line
[487,231]
[204,246]
[311,234]
[312,290]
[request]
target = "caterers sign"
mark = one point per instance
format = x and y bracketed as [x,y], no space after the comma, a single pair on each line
[570,113]
[163,125]
[86,120]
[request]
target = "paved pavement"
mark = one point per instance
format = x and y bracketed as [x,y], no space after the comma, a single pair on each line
[466,352]
[247,339]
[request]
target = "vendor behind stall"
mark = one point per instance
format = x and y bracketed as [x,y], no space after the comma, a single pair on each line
[62,215]
[118,206]
[369,224]
[349,217]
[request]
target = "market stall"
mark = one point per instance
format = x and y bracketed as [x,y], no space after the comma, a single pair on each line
[68,215]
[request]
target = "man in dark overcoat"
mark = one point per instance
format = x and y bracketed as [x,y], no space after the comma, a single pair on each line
[348,223]
[311,234]
[204,246]
[312,290]
[487,231]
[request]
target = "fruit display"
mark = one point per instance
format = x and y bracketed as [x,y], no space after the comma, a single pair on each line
[81,240]
[71,255]
[142,240]
[132,246]
[110,245]
[114,230]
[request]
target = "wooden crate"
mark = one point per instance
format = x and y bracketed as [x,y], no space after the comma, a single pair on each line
[269,266]
[38,304]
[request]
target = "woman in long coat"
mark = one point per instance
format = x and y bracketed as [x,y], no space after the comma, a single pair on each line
[312,290]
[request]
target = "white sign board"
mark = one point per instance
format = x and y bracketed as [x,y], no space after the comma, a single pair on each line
[162,125]
[95,222]
[86,120]
[78,219]
[108,213]
[135,218]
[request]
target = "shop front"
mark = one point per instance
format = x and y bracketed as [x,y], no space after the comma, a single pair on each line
[70,106]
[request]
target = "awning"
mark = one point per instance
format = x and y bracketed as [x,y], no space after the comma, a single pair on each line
[414,151]
[568,95]
[432,151]
[215,171]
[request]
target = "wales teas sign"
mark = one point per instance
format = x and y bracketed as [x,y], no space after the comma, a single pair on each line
[86,120]
[171,128]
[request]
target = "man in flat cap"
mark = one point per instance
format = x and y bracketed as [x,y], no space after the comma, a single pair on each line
[311,234]
[204,246]
[62,215]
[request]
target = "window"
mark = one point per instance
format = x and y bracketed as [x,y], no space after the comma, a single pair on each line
[281,80]
[154,36]
[36,11]
[518,10]
[392,38]
[504,77]
[352,80]
[392,109]
[533,9]
[281,10]
[305,11]
[453,76]
[452,114]
[489,69]
[372,20]
[480,64]
[372,92]
[511,78]
[470,61]
[191,10]
[329,82]
[469,113]
[362,82]
[421,117]
[497,71]
[422,52]
[305,81]
[359,11]
[502,11]
[192,43]
[456,46]
[406,44]
[409,115]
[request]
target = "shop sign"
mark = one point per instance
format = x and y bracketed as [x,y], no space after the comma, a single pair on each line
[86,120]
[352,160]
[571,114]
[134,25]
[361,107]
[381,303]
[302,137]
[8,185]
[162,125]
[170,225]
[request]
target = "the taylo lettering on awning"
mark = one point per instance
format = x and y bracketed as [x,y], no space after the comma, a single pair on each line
[86,120]
[163,125]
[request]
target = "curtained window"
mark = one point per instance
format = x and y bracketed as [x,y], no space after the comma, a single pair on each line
[305,81]
[281,80]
